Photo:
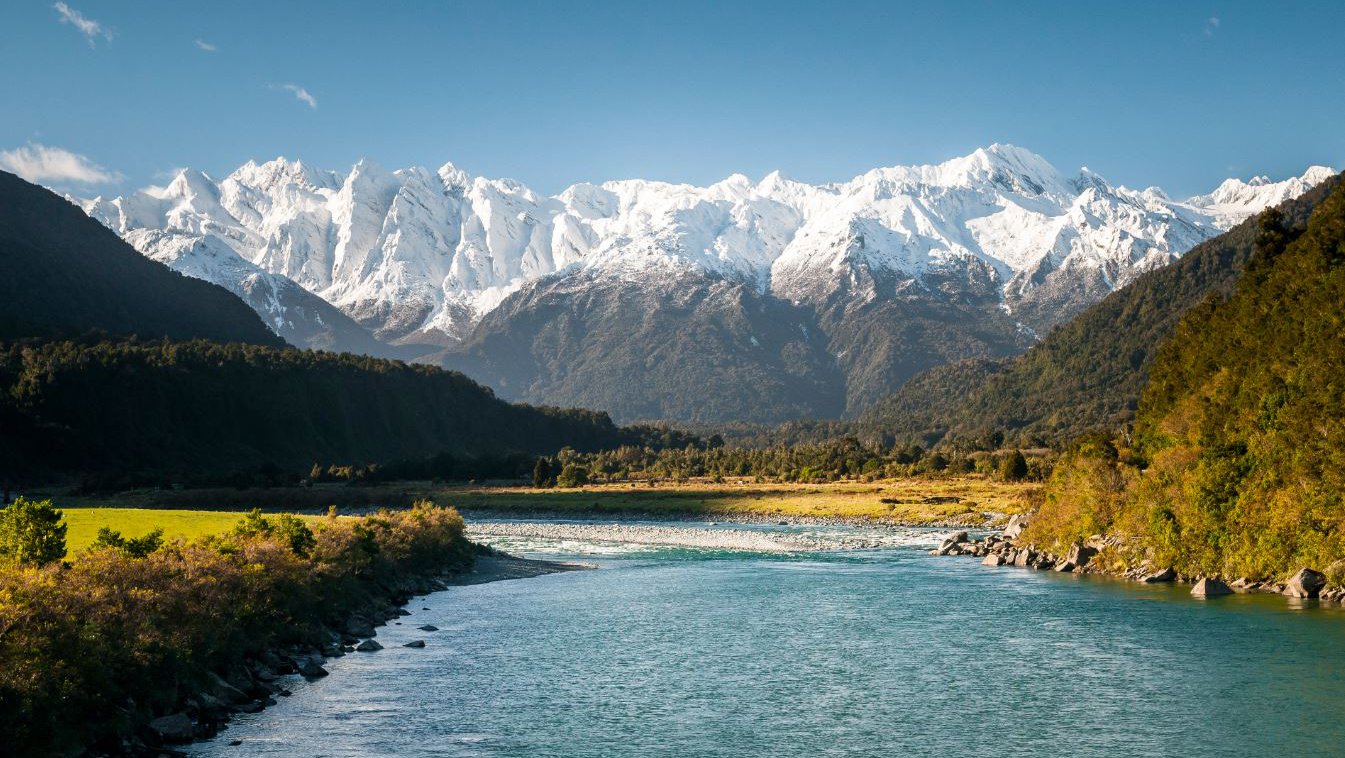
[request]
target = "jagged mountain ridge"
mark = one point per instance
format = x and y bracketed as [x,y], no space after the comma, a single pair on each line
[903,267]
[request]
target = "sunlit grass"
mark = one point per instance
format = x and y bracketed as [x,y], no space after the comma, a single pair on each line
[964,500]
[82,524]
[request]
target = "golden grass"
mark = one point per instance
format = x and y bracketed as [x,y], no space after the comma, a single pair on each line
[911,501]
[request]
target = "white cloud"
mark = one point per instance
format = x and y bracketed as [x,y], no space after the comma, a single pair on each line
[301,94]
[206,46]
[41,164]
[1211,26]
[91,29]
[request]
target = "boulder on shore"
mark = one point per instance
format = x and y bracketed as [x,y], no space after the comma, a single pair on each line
[368,646]
[176,728]
[358,626]
[1305,583]
[1066,566]
[1210,587]
[1158,577]
[311,669]
[993,560]
[1080,555]
[225,691]
[1017,523]
[1023,558]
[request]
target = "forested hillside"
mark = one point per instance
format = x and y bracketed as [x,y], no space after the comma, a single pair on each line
[1086,374]
[62,274]
[199,409]
[1241,430]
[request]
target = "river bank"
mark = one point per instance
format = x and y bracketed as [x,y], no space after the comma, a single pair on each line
[255,685]
[1100,555]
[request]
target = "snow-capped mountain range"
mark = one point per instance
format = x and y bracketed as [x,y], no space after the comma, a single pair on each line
[423,257]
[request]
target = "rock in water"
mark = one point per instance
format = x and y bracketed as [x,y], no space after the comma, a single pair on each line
[416,643]
[312,669]
[428,628]
[1306,583]
[992,560]
[1158,577]
[368,646]
[173,729]
[1210,587]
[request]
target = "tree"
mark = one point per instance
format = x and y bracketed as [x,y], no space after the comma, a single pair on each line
[572,476]
[541,473]
[1014,467]
[31,532]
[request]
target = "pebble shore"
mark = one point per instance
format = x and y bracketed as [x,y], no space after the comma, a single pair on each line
[679,536]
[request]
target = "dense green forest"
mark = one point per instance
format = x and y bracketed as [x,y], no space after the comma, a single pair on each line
[66,275]
[201,410]
[1086,374]
[1237,465]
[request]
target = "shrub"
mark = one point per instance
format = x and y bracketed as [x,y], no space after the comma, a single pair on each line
[132,547]
[31,533]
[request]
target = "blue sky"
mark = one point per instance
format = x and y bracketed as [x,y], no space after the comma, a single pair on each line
[109,96]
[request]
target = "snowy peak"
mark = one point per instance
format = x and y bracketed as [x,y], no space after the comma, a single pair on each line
[1235,197]
[418,255]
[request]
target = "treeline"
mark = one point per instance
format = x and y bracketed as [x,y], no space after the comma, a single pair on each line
[838,460]
[1237,464]
[93,648]
[201,411]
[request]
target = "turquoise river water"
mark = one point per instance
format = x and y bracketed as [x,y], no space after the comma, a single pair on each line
[675,652]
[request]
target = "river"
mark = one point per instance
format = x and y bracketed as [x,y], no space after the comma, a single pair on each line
[668,651]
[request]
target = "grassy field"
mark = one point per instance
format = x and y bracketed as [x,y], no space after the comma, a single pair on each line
[82,524]
[965,500]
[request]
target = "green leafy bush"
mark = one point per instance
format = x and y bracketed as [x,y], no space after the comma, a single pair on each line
[31,533]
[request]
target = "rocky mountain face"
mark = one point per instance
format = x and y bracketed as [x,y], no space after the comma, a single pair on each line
[742,300]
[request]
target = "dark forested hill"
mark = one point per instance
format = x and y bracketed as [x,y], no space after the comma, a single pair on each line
[199,408]
[62,274]
[1086,374]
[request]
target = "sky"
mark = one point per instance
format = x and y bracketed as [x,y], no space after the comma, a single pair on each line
[103,97]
